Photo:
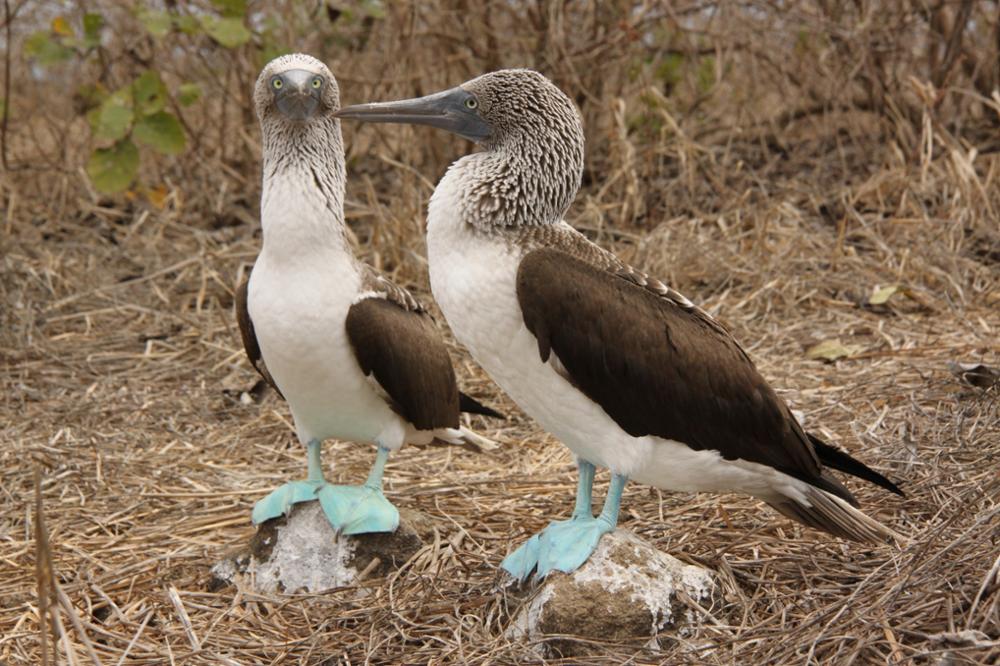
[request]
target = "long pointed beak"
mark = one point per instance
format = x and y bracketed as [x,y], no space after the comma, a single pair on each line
[445,110]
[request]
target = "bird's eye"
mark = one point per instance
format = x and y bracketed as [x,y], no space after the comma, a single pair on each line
[277,83]
[471,103]
[317,82]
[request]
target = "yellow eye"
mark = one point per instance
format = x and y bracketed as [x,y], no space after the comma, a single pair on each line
[471,103]
[277,83]
[317,82]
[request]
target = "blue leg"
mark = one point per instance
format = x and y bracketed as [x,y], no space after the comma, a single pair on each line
[350,509]
[279,502]
[565,545]
[361,509]
[584,489]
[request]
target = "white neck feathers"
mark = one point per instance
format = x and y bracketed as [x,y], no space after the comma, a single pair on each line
[302,203]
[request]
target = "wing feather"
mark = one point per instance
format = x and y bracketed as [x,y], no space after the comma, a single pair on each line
[657,364]
[250,345]
[401,348]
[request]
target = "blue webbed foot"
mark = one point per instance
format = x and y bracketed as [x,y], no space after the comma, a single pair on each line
[350,509]
[358,509]
[565,545]
[523,561]
[562,546]
[280,500]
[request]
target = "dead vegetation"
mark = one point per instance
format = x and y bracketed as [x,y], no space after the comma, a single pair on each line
[779,165]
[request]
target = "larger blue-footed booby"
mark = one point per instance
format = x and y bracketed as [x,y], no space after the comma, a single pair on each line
[355,355]
[623,369]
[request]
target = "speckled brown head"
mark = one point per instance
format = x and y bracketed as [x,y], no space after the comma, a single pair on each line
[530,129]
[295,88]
[296,98]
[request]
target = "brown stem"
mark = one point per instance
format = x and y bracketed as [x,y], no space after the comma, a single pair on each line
[6,87]
[954,46]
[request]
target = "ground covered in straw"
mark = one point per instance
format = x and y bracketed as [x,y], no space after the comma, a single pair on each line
[125,392]
[810,172]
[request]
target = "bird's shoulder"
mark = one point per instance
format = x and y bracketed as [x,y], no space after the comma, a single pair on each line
[376,285]
[542,243]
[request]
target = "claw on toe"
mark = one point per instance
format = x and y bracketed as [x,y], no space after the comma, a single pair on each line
[350,509]
[280,500]
[562,546]
[522,561]
[358,509]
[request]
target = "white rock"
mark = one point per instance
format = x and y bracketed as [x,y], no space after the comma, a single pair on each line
[302,553]
[626,591]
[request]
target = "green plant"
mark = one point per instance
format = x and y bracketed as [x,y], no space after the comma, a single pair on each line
[143,114]
[135,113]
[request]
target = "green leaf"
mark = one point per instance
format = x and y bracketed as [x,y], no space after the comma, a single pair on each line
[149,92]
[231,8]
[45,50]
[113,169]
[831,350]
[670,69]
[706,74]
[92,24]
[188,93]
[162,132]
[882,296]
[269,52]
[229,32]
[112,119]
[187,24]
[88,96]
[373,8]
[155,22]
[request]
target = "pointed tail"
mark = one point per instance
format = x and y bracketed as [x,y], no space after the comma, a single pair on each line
[466,438]
[470,405]
[834,458]
[829,513]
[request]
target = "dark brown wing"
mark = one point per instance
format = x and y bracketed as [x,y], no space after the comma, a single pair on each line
[404,352]
[658,365]
[249,337]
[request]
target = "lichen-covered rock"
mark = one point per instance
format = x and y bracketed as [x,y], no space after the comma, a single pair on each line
[302,553]
[627,591]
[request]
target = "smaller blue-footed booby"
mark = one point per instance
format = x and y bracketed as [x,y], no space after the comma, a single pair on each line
[623,369]
[355,355]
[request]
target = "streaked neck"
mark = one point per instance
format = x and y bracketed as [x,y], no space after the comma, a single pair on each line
[302,202]
[522,183]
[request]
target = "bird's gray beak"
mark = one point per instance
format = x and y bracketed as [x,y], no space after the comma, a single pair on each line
[449,110]
[297,99]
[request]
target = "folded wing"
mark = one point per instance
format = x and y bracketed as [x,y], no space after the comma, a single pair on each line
[657,364]
[250,345]
[397,344]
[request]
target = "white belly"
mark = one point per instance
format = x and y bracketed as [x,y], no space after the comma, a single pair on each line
[473,281]
[298,315]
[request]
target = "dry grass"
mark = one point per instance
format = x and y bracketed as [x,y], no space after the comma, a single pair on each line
[122,370]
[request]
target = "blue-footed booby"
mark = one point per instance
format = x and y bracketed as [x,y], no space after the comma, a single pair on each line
[627,372]
[355,355]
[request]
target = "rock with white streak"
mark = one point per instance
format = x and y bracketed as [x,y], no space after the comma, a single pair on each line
[302,553]
[627,591]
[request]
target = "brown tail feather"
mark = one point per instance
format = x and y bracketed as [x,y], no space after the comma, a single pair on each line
[835,516]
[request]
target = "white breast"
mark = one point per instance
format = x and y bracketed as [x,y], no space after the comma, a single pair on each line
[473,280]
[302,285]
